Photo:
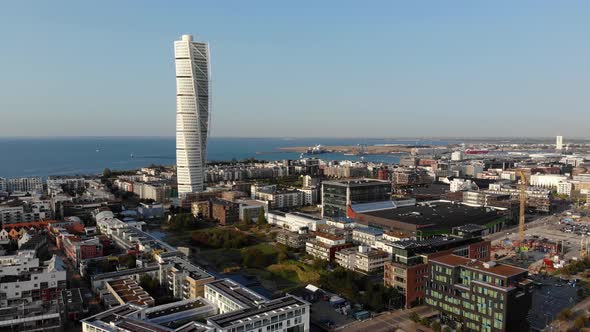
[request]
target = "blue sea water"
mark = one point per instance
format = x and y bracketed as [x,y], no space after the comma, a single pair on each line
[90,155]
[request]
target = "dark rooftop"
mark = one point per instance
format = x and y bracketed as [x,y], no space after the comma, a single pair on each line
[436,215]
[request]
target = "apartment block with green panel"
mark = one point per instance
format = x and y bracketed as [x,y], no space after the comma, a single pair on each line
[483,297]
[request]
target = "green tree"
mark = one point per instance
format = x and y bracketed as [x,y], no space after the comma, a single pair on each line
[415,317]
[246,219]
[106,173]
[435,326]
[446,329]
[580,321]
[261,218]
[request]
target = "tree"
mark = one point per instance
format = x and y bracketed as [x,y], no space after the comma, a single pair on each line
[435,326]
[246,219]
[415,317]
[106,173]
[580,321]
[446,329]
[261,218]
[565,314]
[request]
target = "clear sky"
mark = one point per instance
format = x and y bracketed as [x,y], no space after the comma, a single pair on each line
[300,68]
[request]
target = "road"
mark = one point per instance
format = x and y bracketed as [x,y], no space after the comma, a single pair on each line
[514,230]
[391,321]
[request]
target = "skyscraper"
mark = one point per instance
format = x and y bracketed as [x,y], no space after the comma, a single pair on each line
[559,142]
[193,73]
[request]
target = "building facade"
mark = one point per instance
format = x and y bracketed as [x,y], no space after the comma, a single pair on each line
[192,112]
[479,296]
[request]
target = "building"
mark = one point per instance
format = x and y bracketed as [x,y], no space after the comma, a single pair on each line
[338,195]
[310,195]
[127,290]
[278,199]
[480,296]
[366,235]
[285,314]
[227,296]
[184,279]
[30,185]
[294,221]
[549,181]
[431,218]
[295,240]
[325,246]
[559,143]
[225,212]
[362,259]
[17,211]
[408,269]
[78,250]
[192,113]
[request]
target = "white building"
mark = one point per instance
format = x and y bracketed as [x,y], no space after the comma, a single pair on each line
[310,195]
[32,185]
[565,188]
[367,235]
[462,185]
[457,156]
[2,185]
[559,142]
[284,314]
[193,75]
[294,221]
[550,181]
[227,296]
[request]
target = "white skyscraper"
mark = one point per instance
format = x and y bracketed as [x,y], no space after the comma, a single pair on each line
[193,74]
[559,142]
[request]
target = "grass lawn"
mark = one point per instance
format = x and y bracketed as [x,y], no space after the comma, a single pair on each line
[295,272]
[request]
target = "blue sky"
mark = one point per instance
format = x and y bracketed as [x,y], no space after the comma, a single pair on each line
[300,68]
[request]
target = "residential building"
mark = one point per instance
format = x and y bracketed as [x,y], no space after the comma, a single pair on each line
[366,235]
[479,296]
[225,212]
[127,290]
[310,195]
[408,269]
[295,240]
[285,314]
[338,195]
[229,296]
[325,246]
[30,184]
[193,75]
[362,259]
[78,250]
[184,279]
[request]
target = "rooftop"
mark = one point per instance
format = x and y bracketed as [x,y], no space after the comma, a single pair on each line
[437,214]
[503,270]
[237,292]
[357,183]
[240,316]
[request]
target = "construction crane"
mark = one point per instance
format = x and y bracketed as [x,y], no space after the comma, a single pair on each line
[522,208]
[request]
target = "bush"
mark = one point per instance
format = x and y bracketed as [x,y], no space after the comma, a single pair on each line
[415,317]
[446,329]
[424,321]
[435,326]
[580,321]
[565,314]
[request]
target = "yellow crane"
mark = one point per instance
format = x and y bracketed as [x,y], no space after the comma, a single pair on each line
[522,208]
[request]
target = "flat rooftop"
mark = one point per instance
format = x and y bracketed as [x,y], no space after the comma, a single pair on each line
[131,292]
[503,270]
[357,183]
[173,308]
[434,215]
[239,316]
[237,292]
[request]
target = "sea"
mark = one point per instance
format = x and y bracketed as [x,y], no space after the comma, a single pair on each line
[20,157]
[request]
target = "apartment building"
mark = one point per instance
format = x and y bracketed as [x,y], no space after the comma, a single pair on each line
[227,296]
[408,269]
[479,296]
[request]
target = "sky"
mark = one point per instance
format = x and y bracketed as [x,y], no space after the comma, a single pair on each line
[300,68]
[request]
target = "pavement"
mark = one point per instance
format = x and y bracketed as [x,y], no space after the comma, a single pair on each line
[398,320]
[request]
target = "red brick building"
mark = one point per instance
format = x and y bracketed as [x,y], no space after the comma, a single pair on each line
[408,271]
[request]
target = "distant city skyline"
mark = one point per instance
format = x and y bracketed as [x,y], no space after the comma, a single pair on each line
[334,69]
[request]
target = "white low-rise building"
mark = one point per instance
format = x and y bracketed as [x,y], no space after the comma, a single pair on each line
[227,296]
[294,221]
